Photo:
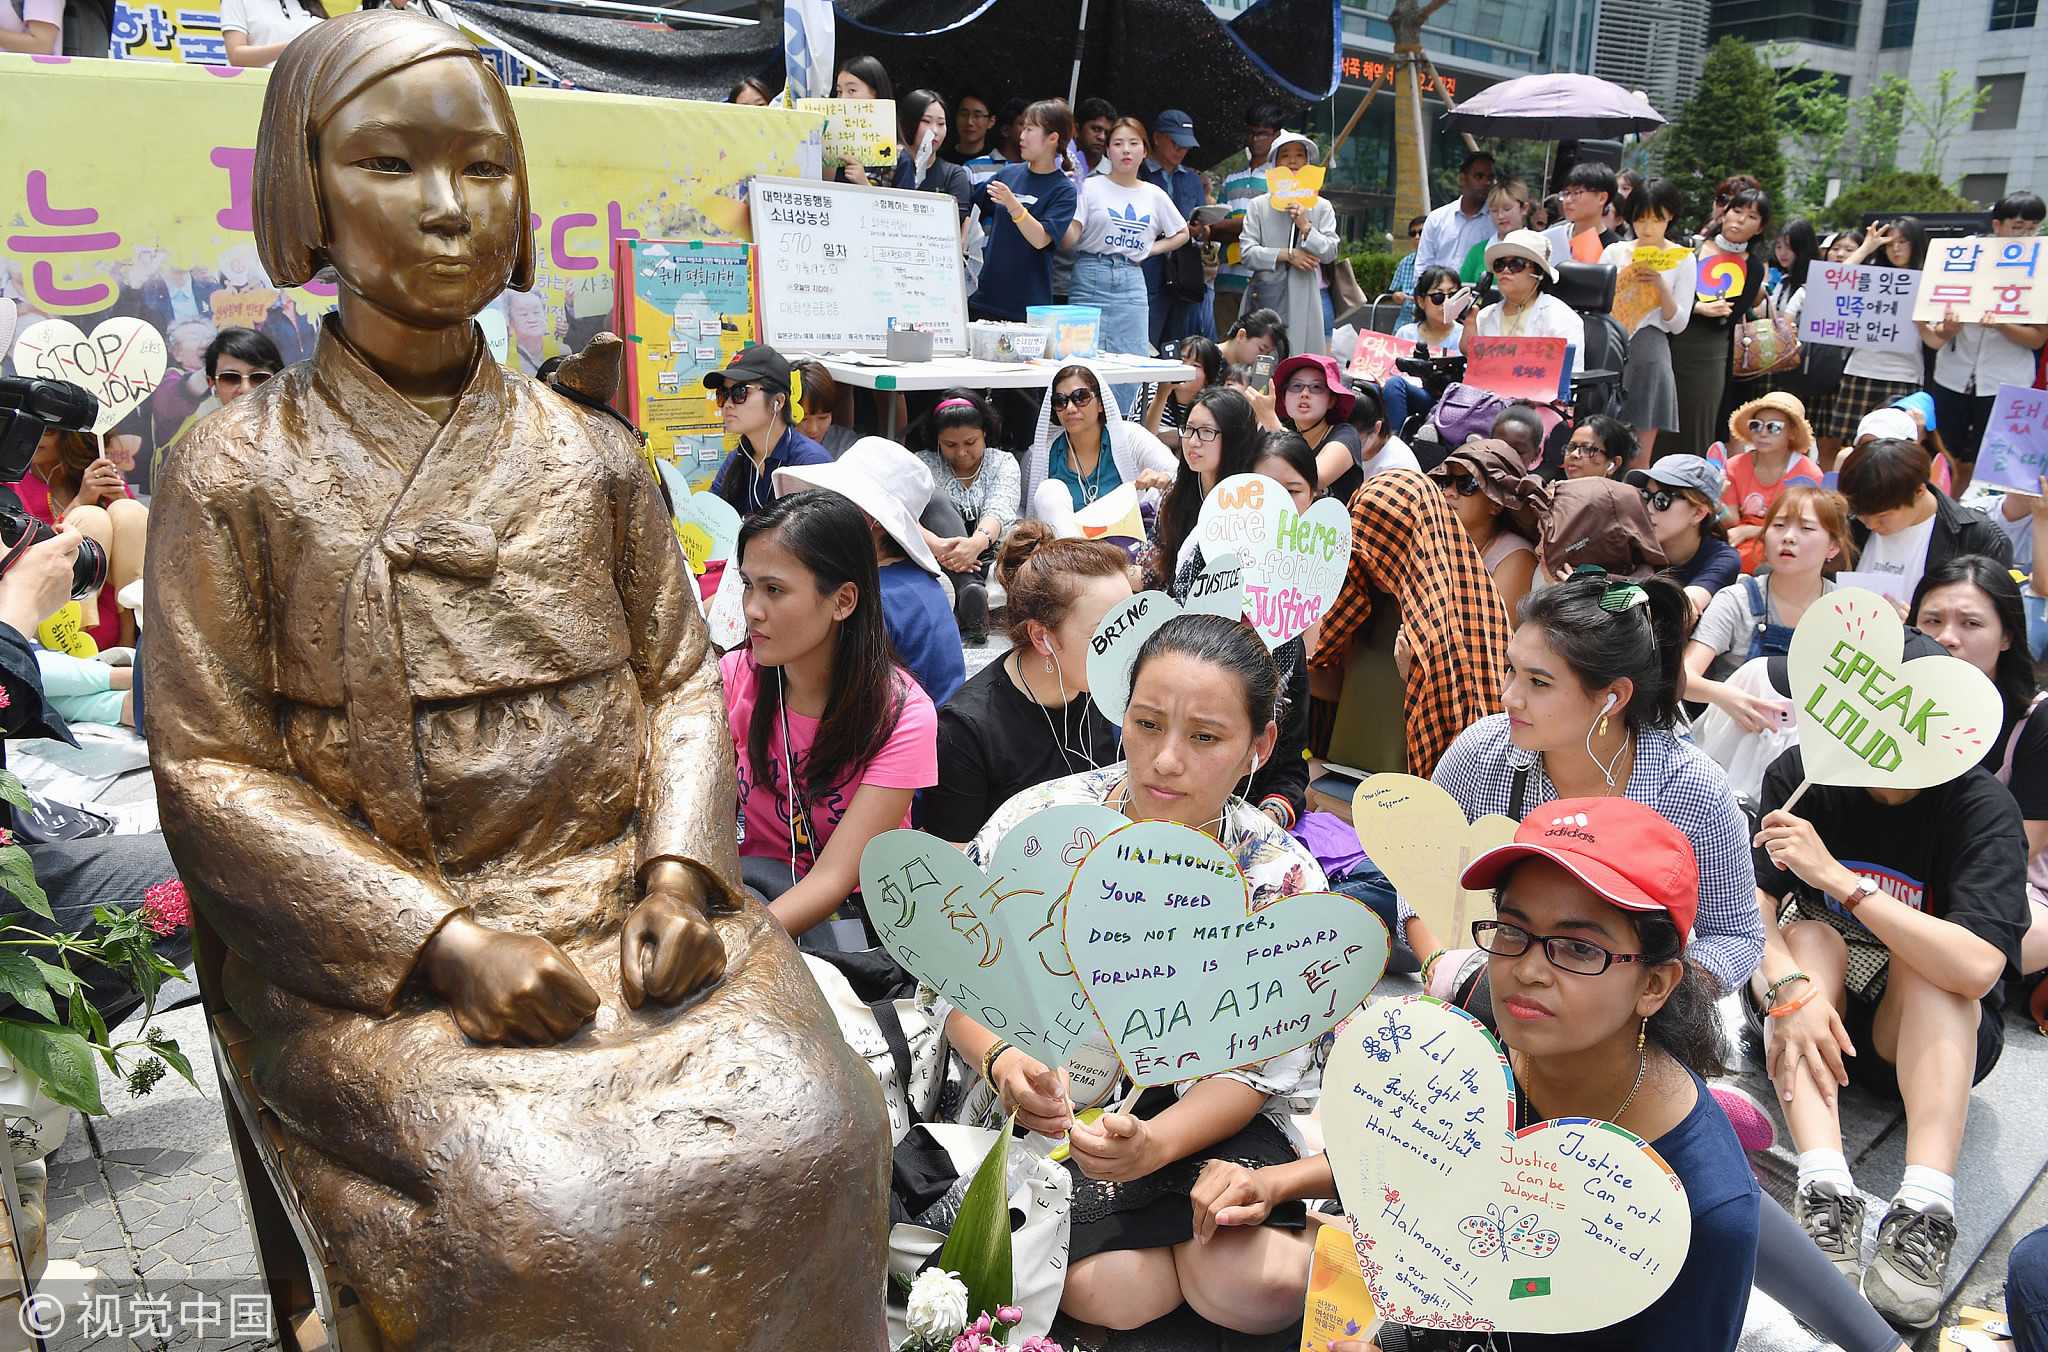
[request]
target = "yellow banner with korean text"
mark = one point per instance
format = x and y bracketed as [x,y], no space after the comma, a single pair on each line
[128,192]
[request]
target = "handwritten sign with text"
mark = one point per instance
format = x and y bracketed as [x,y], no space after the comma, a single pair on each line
[1113,648]
[857,131]
[1983,279]
[1376,354]
[1516,368]
[990,942]
[1417,834]
[2015,449]
[1859,307]
[1463,1222]
[1295,187]
[706,525]
[1294,562]
[121,364]
[1868,719]
[1186,978]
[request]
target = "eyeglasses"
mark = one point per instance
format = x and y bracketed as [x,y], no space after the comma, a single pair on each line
[1439,297]
[1573,191]
[1305,386]
[235,378]
[1207,436]
[1579,450]
[974,115]
[1660,499]
[1766,426]
[1507,267]
[1566,954]
[1464,485]
[735,394]
[1080,398]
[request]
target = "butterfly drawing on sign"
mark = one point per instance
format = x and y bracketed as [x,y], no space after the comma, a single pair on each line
[1498,1230]
[1391,1035]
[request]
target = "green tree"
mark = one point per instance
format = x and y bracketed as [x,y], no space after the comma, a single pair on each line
[1814,114]
[1940,114]
[1729,127]
[1876,120]
[1892,194]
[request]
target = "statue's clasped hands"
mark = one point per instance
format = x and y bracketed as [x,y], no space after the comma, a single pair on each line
[505,987]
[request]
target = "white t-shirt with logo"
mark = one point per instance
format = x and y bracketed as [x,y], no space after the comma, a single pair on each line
[1903,554]
[1124,221]
[265,21]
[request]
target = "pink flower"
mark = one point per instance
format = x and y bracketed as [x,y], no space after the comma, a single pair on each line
[6,836]
[5,700]
[166,909]
[1009,1314]
[1039,1345]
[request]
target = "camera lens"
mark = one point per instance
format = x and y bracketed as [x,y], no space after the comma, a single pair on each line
[88,570]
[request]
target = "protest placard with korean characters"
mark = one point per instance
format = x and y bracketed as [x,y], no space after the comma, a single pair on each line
[2014,453]
[1376,354]
[1190,974]
[857,131]
[1463,1222]
[1983,279]
[1516,368]
[1295,187]
[1869,719]
[1859,307]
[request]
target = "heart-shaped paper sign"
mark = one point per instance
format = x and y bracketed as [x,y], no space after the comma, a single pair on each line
[706,524]
[1869,720]
[1463,1222]
[1418,836]
[121,364]
[1187,978]
[990,941]
[1294,563]
[1113,647]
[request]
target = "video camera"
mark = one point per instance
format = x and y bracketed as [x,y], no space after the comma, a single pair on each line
[30,406]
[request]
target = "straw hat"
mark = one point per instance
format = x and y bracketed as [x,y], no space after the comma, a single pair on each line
[1798,433]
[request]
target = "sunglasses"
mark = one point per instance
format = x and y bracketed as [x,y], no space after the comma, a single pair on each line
[1576,956]
[1439,297]
[1507,267]
[1464,485]
[233,378]
[732,394]
[1415,234]
[1766,426]
[1077,399]
[1205,436]
[1660,499]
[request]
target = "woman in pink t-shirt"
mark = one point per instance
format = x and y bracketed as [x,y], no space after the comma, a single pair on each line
[816,699]
[34,27]
[70,481]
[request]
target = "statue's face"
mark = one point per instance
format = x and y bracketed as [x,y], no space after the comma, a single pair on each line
[418,182]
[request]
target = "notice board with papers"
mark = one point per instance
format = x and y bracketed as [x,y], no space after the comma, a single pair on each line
[838,265]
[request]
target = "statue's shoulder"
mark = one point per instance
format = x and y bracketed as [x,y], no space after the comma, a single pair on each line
[232,448]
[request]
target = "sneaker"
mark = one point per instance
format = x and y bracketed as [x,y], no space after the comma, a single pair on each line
[1904,1282]
[1834,1222]
[1752,1124]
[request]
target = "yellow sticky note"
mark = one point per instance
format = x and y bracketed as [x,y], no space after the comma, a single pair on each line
[1339,1306]
[1664,259]
[64,632]
[1295,187]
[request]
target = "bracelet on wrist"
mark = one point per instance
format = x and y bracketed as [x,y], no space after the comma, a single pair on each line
[1771,991]
[1780,1011]
[1429,965]
[990,1057]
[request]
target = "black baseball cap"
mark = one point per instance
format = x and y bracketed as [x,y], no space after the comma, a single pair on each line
[758,365]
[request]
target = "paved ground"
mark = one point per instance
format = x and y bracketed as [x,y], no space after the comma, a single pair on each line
[147,1230]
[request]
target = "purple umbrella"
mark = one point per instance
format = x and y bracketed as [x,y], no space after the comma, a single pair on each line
[1554,108]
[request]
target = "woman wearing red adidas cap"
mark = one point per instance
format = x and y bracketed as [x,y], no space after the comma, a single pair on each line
[1603,1017]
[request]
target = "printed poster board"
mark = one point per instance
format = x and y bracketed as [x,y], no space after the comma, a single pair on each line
[686,307]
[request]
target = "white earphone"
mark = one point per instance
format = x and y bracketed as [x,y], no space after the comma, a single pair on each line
[1612,700]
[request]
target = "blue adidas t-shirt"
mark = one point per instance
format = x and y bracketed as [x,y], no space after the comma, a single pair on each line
[1015,275]
[922,629]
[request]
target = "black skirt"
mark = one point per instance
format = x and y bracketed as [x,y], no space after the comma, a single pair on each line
[1155,1212]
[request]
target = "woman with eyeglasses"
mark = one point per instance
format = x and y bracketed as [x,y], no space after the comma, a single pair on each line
[1683,493]
[1085,449]
[1599,448]
[1482,481]
[1511,210]
[1521,267]
[1732,250]
[1603,1017]
[753,394]
[1315,402]
[1769,438]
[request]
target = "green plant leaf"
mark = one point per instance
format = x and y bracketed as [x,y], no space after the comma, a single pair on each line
[18,876]
[62,980]
[979,1246]
[62,1060]
[166,1046]
[12,792]
[20,980]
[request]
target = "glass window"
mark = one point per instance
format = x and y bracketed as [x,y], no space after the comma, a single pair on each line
[2001,111]
[2012,14]
[1900,18]
[1983,189]
[1829,22]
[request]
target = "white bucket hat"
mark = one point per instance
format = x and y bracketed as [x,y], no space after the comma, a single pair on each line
[1527,244]
[882,479]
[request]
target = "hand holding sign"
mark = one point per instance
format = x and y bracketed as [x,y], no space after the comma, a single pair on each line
[1866,718]
[1417,834]
[1294,562]
[2015,450]
[706,524]
[1113,647]
[121,364]
[990,942]
[1462,1222]
[1186,978]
